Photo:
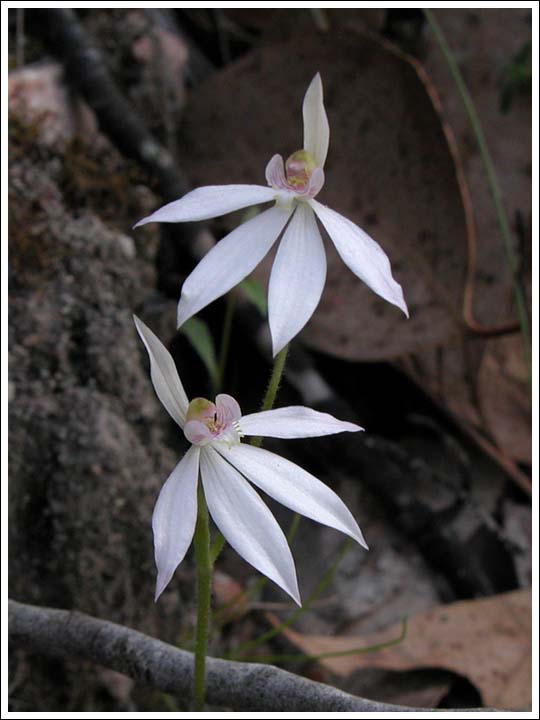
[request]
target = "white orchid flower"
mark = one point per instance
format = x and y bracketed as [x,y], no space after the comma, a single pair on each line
[299,270]
[225,466]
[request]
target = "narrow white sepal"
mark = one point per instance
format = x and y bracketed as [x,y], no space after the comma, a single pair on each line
[361,254]
[316,128]
[246,522]
[294,422]
[230,261]
[164,374]
[208,202]
[295,488]
[297,278]
[174,517]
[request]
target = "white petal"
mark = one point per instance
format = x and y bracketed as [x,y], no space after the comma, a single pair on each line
[292,486]
[230,261]
[362,255]
[174,518]
[210,201]
[294,422]
[164,374]
[316,130]
[246,522]
[297,278]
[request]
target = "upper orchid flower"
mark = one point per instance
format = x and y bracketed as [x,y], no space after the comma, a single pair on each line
[299,269]
[225,465]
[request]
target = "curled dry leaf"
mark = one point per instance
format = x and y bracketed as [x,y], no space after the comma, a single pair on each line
[488,641]
[504,399]
[489,389]
[485,43]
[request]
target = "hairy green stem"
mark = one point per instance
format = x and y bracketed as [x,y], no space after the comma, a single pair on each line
[225,339]
[204,586]
[273,386]
[519,294]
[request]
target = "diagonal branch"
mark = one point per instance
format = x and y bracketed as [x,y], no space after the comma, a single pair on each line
[241,686]
[65,36]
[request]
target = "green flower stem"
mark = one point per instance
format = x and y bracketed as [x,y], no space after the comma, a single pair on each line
[273,386]
[521,303]
[204,587]
[225,339]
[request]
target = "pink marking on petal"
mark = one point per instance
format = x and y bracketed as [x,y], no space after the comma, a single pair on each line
[298,176]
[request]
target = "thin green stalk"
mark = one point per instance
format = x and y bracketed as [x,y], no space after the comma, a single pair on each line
[319,588]
[334,654]
[521,303]
[225,339]
[293,527]
[273,386]
[216,547]
[204,582]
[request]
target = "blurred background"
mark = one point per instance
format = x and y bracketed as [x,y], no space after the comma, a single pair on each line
[440,482]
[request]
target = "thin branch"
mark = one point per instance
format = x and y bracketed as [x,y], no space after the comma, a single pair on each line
[88,73]
[241,686]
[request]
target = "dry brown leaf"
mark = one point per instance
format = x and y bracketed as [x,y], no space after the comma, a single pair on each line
[484,43]
[504,397]
[488,641]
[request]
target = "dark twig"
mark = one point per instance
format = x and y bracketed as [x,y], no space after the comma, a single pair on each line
[87,71]
[242,686]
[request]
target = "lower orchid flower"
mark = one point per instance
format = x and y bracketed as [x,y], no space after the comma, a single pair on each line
[228,469]
[299,269]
